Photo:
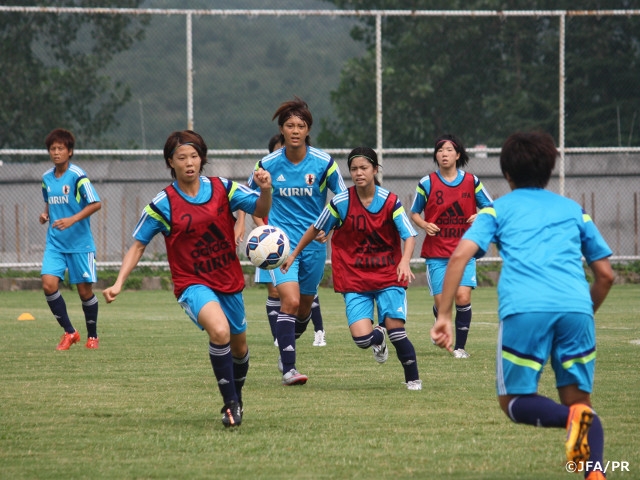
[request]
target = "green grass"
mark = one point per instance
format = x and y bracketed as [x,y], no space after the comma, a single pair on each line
[145,405]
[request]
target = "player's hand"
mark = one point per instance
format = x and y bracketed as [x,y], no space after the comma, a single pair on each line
[431,228]
[44,218]
[472,218]
[284,268]
[262,178]
[63,223]
[238,232]
[442,332]
[111,293]
[404,273]
[321,237]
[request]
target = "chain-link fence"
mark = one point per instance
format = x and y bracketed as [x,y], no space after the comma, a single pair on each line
[192,70]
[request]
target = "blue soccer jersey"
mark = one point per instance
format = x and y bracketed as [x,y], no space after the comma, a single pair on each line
[336,211]
[156,216]
[300,190]
[423,190]
[67,196]
[542,238]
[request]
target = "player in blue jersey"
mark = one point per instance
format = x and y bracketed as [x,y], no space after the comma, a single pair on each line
[69,201]
[273,299]
[194,214]
[369,266]
[302,177]
[546,306]
[449,198]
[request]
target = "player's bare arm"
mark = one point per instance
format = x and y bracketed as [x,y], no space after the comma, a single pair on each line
[306,239]
[129,262]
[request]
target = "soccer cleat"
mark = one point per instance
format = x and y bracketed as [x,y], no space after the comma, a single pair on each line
[577,444]
[280,366]
[460,353]
[293,377]
[231,414]
[381,352]
[92,342]
[67,340]
[319,339]
[414,385]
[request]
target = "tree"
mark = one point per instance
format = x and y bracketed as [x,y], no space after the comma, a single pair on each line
[68,86]
[484,77]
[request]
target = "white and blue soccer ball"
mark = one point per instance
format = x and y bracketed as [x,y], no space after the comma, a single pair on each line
[267,247]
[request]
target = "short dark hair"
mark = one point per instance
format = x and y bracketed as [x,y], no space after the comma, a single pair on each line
[185,137]
[457,145]
[63,136]
[528,158]
[273,141]
[294,108]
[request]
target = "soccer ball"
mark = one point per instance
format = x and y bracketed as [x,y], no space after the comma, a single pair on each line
[267,247]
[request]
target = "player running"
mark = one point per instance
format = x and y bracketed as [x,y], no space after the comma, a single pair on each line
[450,198]
[369,266]
[194,214]
[302,177]
[546,307]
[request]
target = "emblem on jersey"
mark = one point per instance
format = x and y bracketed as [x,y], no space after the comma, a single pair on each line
[309,178]
[66,189]
[281,178]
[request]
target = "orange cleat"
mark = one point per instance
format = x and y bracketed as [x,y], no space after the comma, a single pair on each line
[67,340]
[578,425]
[92,342]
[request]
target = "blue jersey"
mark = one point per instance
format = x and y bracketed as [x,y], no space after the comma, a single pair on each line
[300,190]
[156,217]
[423,190]
[67,196]
[336,211]
[542,238]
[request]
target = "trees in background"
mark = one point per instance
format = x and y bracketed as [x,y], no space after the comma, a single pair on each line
[53,72]
[485,77]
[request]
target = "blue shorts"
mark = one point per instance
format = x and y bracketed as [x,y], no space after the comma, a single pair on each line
[527,340]
[195,297]
[436,268]
[262,276]
[81,266]
[390,302]
[307,269]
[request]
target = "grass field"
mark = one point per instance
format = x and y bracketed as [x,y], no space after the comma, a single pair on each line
[146,406]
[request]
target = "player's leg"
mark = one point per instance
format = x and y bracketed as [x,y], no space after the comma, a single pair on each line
[54,265]
[573,361]
[289,292]
[272,304]
[435,270]
[273,309]
[319,337]
[310,273]
[203,306]
[359,311]
[463,309]
[83,273]
[392,306]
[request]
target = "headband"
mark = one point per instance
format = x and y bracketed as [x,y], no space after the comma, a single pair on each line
[445,141]
[363,156]
[183,144]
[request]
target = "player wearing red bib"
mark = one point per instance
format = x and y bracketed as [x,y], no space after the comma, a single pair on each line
[450,198]
[370,268]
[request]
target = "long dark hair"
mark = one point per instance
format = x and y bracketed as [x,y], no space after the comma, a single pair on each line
[457,145]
